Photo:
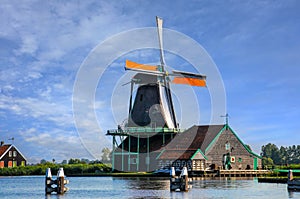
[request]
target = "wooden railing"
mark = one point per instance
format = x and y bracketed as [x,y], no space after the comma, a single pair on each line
[242,173]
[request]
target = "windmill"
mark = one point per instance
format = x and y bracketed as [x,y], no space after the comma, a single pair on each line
[153,104]
[152,121]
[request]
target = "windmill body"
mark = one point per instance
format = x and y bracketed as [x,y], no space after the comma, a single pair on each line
[150,107]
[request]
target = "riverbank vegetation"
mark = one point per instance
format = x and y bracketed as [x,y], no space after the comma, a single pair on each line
[274,158]
[280,157]
[74,167]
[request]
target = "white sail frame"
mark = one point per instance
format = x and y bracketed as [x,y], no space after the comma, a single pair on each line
[165,108]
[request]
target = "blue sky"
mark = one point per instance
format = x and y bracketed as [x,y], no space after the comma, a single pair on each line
[43,44]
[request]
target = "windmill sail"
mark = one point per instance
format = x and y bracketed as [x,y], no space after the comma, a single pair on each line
[159,22]
[189,79]
[168,95]
[134,65]
[165,108]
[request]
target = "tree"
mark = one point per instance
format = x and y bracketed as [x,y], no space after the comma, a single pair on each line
[298,154]
[271,151]
[64,162]
[267,162]
[106,155]
[74,161]
[293,154]
[43,161]
[283,155]
[85,161]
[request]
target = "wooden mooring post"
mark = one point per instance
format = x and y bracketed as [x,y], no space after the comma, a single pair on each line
[59,182]
[179,183]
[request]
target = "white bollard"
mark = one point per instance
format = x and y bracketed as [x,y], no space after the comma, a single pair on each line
[172,172]
[48,182]
[184,172]
[60,173]
[185,179]
[61,189]
[48,173]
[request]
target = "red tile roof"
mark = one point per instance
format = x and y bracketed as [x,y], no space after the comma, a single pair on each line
[185,144]
[4,148]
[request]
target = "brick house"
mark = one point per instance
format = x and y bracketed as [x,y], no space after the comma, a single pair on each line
[10,156]
[214,146]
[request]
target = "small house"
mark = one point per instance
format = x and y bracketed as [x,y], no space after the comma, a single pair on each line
[10,156]
[209,147]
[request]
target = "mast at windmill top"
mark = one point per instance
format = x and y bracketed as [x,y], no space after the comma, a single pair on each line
[159,23]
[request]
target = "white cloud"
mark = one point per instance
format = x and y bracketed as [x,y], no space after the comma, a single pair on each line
[39,109]
[54,143]
[46,93]
[29,45]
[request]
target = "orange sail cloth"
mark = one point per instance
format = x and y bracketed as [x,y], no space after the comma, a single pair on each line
[189,81]
[133,65]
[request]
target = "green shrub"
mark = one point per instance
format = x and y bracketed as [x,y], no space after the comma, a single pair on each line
[69,169]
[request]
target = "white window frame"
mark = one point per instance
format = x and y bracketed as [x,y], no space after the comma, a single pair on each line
[227,146]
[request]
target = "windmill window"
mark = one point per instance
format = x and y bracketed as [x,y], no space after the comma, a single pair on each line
[133,160]
[240,160]
[10,153]
[141,97]
[15,153]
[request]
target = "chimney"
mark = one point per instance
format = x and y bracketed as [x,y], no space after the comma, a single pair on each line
[2,142]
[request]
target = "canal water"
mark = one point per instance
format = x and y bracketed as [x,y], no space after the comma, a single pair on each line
[143,187]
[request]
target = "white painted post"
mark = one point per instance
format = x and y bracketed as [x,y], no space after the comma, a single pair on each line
[61,189]
[184,179]
[172,172]
[48,181]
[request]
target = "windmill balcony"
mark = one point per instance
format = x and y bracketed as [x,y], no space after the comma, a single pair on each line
[138,130]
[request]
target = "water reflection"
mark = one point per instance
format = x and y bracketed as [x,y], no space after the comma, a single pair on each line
[184,195]
[54,196]
[147,183]
[221,183]
[294,194]
[144,187]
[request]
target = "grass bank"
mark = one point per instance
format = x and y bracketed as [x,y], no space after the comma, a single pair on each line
[70,169]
